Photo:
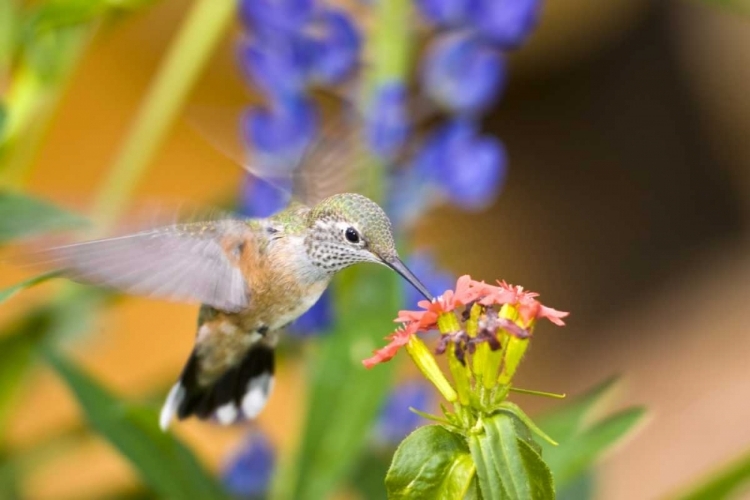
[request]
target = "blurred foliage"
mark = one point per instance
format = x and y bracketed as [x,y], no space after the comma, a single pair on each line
[721,483]
[344,399]
[22,215]
[163,462]
[580,441]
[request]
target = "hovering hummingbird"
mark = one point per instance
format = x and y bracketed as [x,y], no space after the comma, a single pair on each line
[252,276]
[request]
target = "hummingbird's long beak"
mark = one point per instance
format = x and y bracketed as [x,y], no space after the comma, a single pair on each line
[398,266]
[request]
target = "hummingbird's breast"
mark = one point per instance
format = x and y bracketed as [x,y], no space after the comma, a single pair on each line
[283,283]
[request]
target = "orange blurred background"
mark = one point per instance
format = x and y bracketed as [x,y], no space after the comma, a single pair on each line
[627,204]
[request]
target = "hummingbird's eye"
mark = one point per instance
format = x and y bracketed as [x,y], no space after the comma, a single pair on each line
[352,236]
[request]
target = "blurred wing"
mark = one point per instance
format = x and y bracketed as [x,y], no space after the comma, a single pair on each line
[184,262]
[334,162]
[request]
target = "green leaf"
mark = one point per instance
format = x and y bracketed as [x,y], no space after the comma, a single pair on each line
[431,462]
[571,460]
[721,483]
[14,289]
[567,420]
[21,215]
[344,397]
[582,442]
[508,467]
[163,462]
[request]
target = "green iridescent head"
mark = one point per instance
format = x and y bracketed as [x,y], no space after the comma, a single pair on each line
[350,228]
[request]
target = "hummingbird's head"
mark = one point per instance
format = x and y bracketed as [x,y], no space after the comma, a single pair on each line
[350,228]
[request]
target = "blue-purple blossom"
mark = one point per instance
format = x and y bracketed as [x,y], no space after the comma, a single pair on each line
[462,72]
[280,133]
[316,320]
[435,279]
[276,15]
[445,13]
[387,119]
[467,167]
[248,472]
[335,47]
[396,421]
[278,65]
[506,23]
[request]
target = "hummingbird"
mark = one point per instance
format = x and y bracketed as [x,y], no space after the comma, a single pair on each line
[252,278]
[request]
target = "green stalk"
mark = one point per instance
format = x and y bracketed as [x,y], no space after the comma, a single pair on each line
[187,56]
[391,47]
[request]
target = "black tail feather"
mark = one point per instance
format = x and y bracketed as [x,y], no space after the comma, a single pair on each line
[240,393]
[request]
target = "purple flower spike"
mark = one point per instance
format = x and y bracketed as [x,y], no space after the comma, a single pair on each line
[336,48]
[276,15]
[316,320]
[475,184]
[468,168]
[387,121]
[436,280]
[506,23]
[280,134]
[445,13]
[396,421]
[248,473]
[278,65]
[463,73]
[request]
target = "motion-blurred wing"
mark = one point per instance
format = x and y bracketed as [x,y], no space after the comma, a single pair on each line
[334,162]
[184,262]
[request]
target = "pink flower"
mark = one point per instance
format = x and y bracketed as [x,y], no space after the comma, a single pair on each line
[398,339]
[467,292]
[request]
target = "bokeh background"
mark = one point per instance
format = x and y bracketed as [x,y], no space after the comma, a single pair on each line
[626,203]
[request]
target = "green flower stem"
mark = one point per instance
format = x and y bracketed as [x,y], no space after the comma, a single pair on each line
[514,351]
[392,41]
[390,45]
[427,364]
[461,376]
[448,323]
[207,21]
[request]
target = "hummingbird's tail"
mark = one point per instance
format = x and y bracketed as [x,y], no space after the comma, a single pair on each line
[240,393]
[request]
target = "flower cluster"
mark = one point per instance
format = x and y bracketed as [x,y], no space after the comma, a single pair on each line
[485,331]
[463,71]
[292,46]
[247,473]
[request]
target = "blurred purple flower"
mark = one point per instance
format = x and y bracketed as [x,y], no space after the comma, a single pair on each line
[506,23]
[462,73]
[436,280]
[280,133]
[445,13]
[278,65]
[335,47]
[316,320]
[468,168]
[387,119]
[396,421]
[248,472]
[276,15]
[261,198]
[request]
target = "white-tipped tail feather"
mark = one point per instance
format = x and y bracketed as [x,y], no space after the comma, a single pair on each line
[169,410]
